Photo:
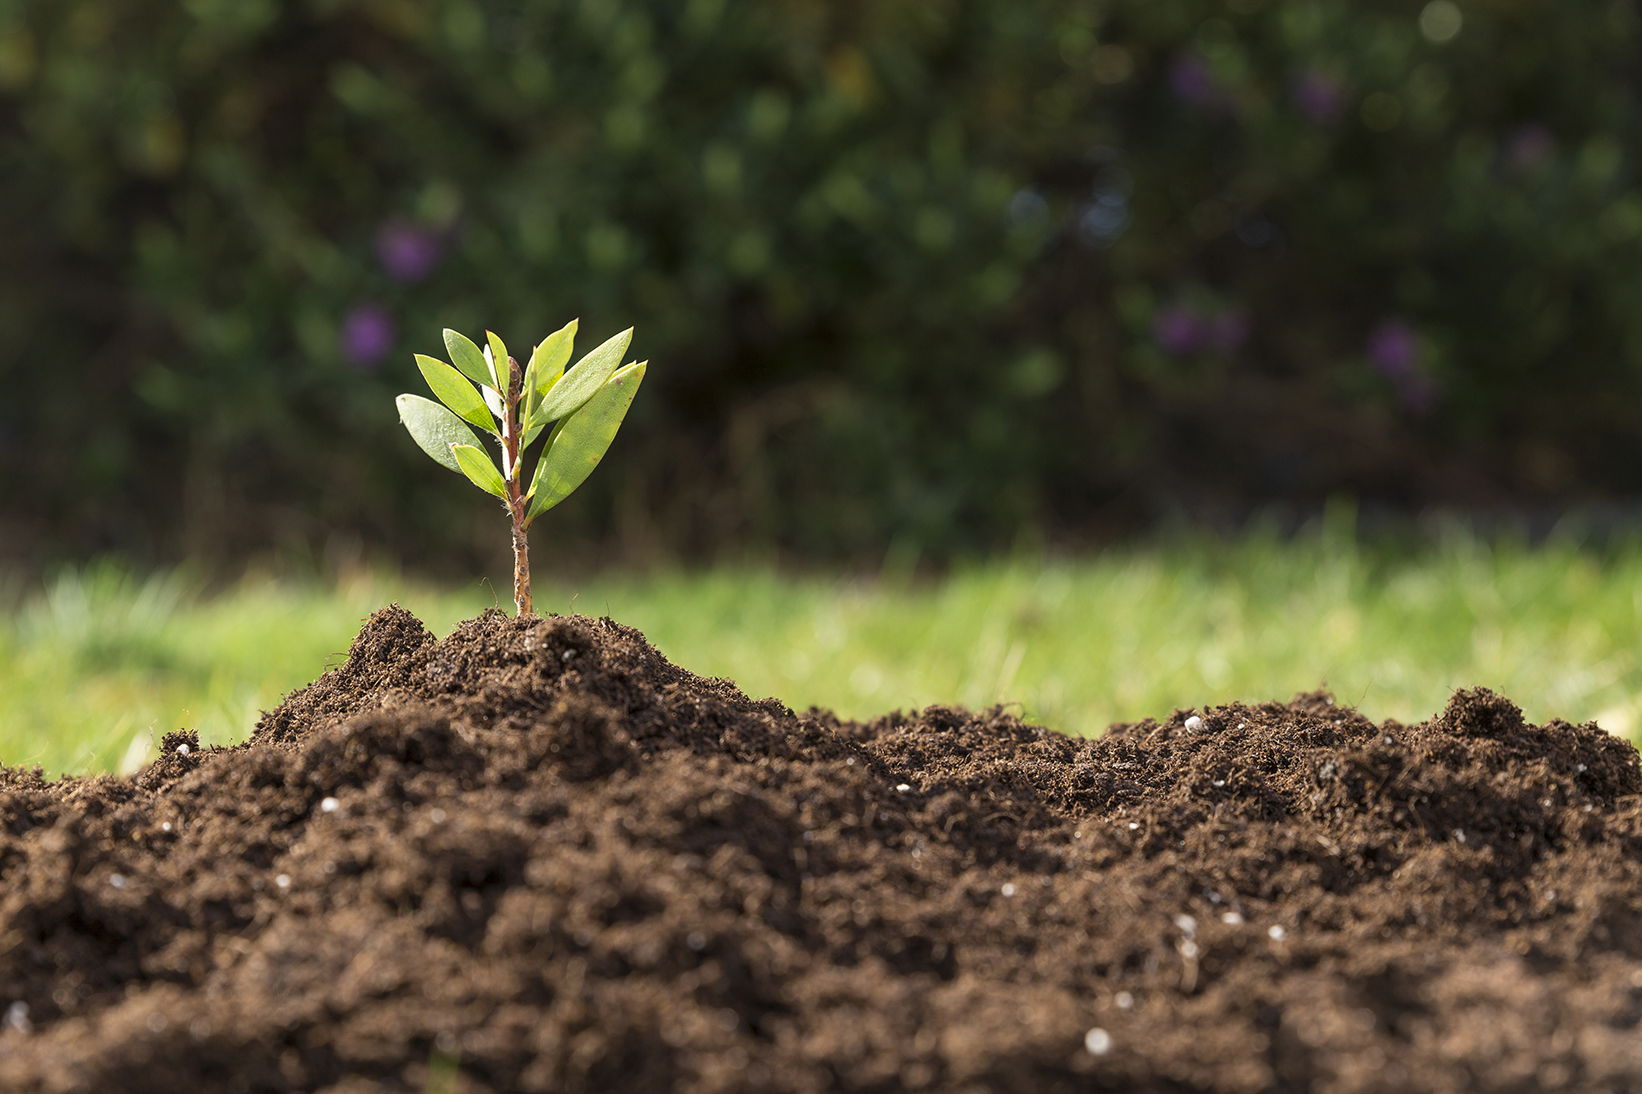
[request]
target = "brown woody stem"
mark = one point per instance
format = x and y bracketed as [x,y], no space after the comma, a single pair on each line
[516,504]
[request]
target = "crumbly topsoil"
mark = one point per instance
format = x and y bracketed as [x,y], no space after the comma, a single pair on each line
[535,856]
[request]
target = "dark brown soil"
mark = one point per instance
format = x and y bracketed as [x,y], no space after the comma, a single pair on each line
[537,857]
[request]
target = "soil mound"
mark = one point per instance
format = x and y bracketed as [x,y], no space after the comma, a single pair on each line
[535,856]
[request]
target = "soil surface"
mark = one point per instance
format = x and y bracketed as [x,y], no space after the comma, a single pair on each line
[535,856]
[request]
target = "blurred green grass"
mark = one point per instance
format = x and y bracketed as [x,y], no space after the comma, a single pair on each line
[96,665]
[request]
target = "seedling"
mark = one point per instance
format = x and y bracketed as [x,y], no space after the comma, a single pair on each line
[488,389]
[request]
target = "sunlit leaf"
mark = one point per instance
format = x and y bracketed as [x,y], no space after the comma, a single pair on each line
[546,366]
[498,361]
[581,440]
[552,353]
[534,425]
[455,392]
[434,428]
[467,357]
[473,463]
[578,385]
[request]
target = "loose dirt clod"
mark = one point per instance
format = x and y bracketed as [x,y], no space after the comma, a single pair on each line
[538,850]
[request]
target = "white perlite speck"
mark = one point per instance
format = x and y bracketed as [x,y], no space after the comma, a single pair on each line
[1277,933]
[1194,724]
[1097,1041]
[283,881]
[329,805]
[17,1017]
[182,750]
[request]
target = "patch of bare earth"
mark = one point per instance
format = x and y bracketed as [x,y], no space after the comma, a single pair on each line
[538,850]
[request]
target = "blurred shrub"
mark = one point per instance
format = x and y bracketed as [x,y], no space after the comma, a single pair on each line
[913,269]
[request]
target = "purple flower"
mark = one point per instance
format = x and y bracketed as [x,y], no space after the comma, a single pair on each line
[407,253]
[1531,145]
[1394,352]
[368,334]
[1394,349]
[1179,330]
[1320,98]
[1192,81]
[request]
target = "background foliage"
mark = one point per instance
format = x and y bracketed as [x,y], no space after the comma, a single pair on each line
[925,270]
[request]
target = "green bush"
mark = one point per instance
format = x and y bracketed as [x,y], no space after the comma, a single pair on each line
[918,269]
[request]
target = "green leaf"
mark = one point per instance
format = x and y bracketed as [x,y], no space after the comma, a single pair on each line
[455,392]
[533,429]
[546,366]
[479,470]
[434,428]
[551,355]
[467,357]
[579,384]
[581,440]
[498,360]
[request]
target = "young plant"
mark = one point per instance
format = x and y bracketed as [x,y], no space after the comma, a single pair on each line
[488,389]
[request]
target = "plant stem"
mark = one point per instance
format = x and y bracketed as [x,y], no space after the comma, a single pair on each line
[521,552]
[511,427]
